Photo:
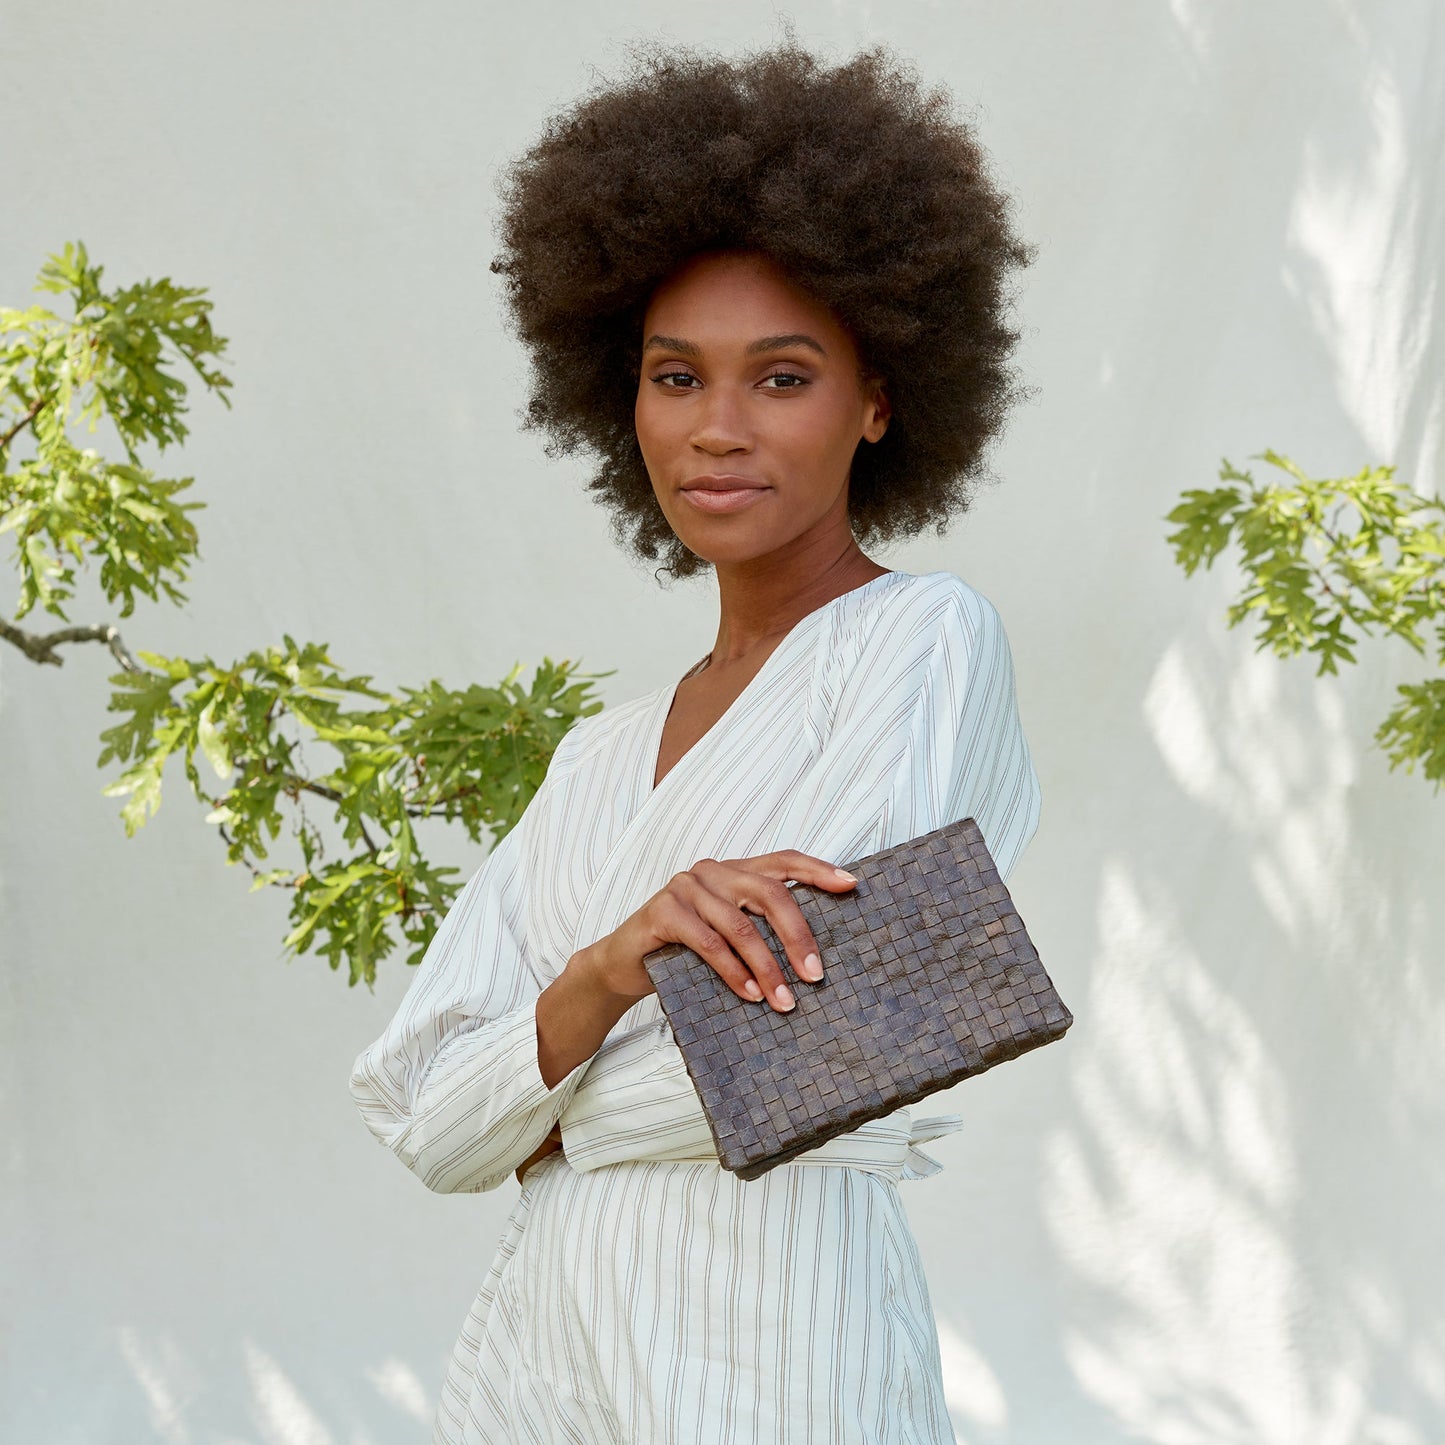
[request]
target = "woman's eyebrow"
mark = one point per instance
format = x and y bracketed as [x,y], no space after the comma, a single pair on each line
[778,343]
[763,343]
[670,343]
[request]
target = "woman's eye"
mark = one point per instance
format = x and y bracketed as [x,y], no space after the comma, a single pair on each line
[686,381]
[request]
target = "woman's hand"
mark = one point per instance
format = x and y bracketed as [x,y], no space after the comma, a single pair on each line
[703,907]
[550,1145]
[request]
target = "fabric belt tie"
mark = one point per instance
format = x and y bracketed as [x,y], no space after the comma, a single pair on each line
[887,1146]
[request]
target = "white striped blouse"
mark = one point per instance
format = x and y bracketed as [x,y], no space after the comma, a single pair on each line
[641,1293]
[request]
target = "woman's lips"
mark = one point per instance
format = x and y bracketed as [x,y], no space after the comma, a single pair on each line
[730,499]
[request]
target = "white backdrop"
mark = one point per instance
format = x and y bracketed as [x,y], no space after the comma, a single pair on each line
[1212,1213]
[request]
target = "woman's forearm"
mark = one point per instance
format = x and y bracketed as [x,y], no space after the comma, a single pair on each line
[575,1013]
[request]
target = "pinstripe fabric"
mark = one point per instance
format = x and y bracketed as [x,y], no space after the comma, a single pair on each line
[641,1293]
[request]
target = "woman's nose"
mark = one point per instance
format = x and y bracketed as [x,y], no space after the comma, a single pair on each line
[721,424]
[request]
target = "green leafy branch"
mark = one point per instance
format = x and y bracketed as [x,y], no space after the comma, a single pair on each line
[474,756]
[65,502]
[1322,556]
[344,768]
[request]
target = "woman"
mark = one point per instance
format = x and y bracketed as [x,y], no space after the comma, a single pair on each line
[769,296]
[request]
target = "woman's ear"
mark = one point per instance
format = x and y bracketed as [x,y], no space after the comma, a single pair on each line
[879,409]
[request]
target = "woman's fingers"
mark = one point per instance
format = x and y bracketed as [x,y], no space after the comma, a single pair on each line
[703,909]
[775,899]
[549,1145]
[790,864]
[728,940]
[781,908]
[758,884]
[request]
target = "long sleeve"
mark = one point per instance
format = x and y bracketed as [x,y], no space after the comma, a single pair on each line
[924,730]
[452,1087]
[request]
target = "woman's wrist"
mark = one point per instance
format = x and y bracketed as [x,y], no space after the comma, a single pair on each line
[576,1012]
[598,972]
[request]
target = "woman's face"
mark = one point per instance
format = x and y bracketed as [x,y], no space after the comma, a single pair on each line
[749,409]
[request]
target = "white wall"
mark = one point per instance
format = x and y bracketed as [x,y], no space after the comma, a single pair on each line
[1210,1214]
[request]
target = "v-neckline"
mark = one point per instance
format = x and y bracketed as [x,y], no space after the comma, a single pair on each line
[667,696]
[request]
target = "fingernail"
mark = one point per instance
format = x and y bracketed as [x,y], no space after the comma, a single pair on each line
[784,995]
[812,968]
[845,875]
[752,990]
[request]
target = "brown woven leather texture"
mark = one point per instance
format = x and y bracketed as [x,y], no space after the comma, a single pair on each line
[929,976]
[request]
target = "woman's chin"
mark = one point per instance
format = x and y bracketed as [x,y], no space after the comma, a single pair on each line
[722,540]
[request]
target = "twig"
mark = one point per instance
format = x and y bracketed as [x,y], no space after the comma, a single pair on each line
[254,870]
[35,408]
[40,647]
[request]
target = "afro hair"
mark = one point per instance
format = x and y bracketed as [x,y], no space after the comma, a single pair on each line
[855,180]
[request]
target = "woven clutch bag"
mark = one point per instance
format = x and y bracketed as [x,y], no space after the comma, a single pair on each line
[928,977]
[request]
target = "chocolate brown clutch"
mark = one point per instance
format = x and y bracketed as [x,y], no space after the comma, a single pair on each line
[929,976]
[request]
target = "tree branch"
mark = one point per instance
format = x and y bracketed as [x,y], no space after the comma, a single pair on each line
[35,409]
[253,869]
[40,647]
